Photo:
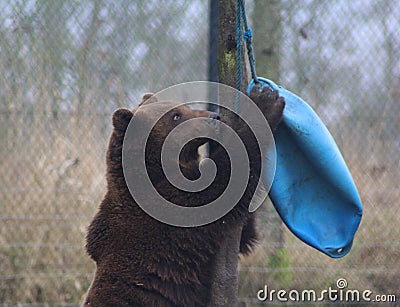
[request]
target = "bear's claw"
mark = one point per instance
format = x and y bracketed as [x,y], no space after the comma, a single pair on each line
[270,103]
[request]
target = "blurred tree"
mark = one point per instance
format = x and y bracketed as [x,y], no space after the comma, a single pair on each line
[267,46]
[97,55]
[267,37]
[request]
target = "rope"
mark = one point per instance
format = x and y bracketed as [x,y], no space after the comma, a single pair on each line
[248,37]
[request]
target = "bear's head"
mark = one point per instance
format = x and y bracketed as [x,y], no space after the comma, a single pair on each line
[158,120]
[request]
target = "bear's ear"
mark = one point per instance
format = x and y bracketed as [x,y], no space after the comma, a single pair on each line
[121,119]
[148,98]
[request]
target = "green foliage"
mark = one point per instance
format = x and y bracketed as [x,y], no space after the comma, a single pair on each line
[279,264]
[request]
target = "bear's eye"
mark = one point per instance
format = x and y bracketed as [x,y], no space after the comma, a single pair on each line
[177,117]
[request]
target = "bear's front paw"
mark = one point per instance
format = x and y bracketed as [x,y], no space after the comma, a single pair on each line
[270,103]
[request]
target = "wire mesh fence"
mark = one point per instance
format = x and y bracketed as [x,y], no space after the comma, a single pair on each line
[66,65]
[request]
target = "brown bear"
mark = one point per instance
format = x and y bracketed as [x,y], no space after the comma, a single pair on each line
[144,262]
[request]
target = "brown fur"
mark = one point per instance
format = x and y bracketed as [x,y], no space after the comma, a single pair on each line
[143,262]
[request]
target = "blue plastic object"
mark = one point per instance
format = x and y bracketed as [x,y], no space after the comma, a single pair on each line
[312,190]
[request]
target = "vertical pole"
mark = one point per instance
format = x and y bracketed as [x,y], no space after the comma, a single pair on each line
[226,44]
[224,284]
[212,50]
[212,41]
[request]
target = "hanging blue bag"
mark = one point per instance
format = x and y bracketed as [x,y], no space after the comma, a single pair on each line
[312,190]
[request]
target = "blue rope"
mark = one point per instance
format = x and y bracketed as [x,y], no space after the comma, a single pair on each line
[248,37]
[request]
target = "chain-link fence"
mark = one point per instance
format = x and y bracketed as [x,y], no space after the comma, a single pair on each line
[66,65]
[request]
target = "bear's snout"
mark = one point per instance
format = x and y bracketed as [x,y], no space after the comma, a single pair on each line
[213,119]
[214,115]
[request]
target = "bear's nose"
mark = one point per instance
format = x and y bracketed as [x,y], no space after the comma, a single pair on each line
[214,115]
